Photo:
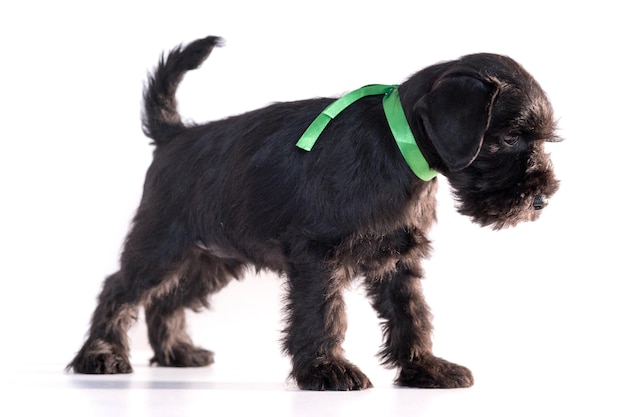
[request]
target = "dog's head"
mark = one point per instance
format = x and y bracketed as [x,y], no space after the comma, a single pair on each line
[483,122]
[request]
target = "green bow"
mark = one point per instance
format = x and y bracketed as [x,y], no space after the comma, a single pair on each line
[395,117]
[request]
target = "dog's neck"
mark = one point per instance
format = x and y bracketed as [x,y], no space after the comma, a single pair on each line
[395,118]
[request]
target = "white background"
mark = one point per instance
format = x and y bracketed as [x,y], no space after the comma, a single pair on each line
[537,311]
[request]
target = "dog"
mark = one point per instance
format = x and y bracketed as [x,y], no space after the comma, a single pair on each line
[236,193]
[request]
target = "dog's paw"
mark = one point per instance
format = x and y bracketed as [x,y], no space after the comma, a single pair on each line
[100,358]
[433,372]
[183,356]
[333,375]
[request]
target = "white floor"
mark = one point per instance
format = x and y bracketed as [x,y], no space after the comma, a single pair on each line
[153,392]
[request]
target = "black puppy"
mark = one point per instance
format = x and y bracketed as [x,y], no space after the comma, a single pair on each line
[222,196]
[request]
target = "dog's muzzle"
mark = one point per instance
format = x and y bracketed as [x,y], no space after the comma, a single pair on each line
[540,202]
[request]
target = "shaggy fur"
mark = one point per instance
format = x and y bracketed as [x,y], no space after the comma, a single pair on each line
[233,193]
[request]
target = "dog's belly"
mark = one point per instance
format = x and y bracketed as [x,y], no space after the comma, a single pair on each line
[217,251]
[269,256]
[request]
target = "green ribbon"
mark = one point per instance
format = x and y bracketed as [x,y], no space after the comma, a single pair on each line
[395,118]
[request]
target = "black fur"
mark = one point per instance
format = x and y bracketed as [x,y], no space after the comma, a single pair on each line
[237,192]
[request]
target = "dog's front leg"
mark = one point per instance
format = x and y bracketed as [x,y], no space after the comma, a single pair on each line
[399,301]
[316,325]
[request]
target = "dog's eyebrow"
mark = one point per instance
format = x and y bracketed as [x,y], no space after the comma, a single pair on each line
[545,137]
[554,138]
[547,134]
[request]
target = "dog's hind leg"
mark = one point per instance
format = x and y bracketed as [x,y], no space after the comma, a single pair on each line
[152,255]
[106,349]
[398,298]
[165,315]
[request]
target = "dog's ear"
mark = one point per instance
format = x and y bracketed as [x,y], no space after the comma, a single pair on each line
[455,115]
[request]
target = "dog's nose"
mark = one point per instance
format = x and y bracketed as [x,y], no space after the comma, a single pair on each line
[539,202]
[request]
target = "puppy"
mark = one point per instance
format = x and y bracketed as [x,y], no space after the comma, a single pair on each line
[223,196]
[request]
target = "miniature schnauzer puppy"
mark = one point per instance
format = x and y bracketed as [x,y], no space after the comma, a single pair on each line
[236,193]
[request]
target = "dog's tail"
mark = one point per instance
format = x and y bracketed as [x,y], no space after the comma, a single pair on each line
[160,119]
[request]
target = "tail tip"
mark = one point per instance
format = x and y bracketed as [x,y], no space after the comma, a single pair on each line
[219,41]
[213,41]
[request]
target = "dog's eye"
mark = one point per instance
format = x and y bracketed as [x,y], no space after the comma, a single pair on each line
[510,140]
